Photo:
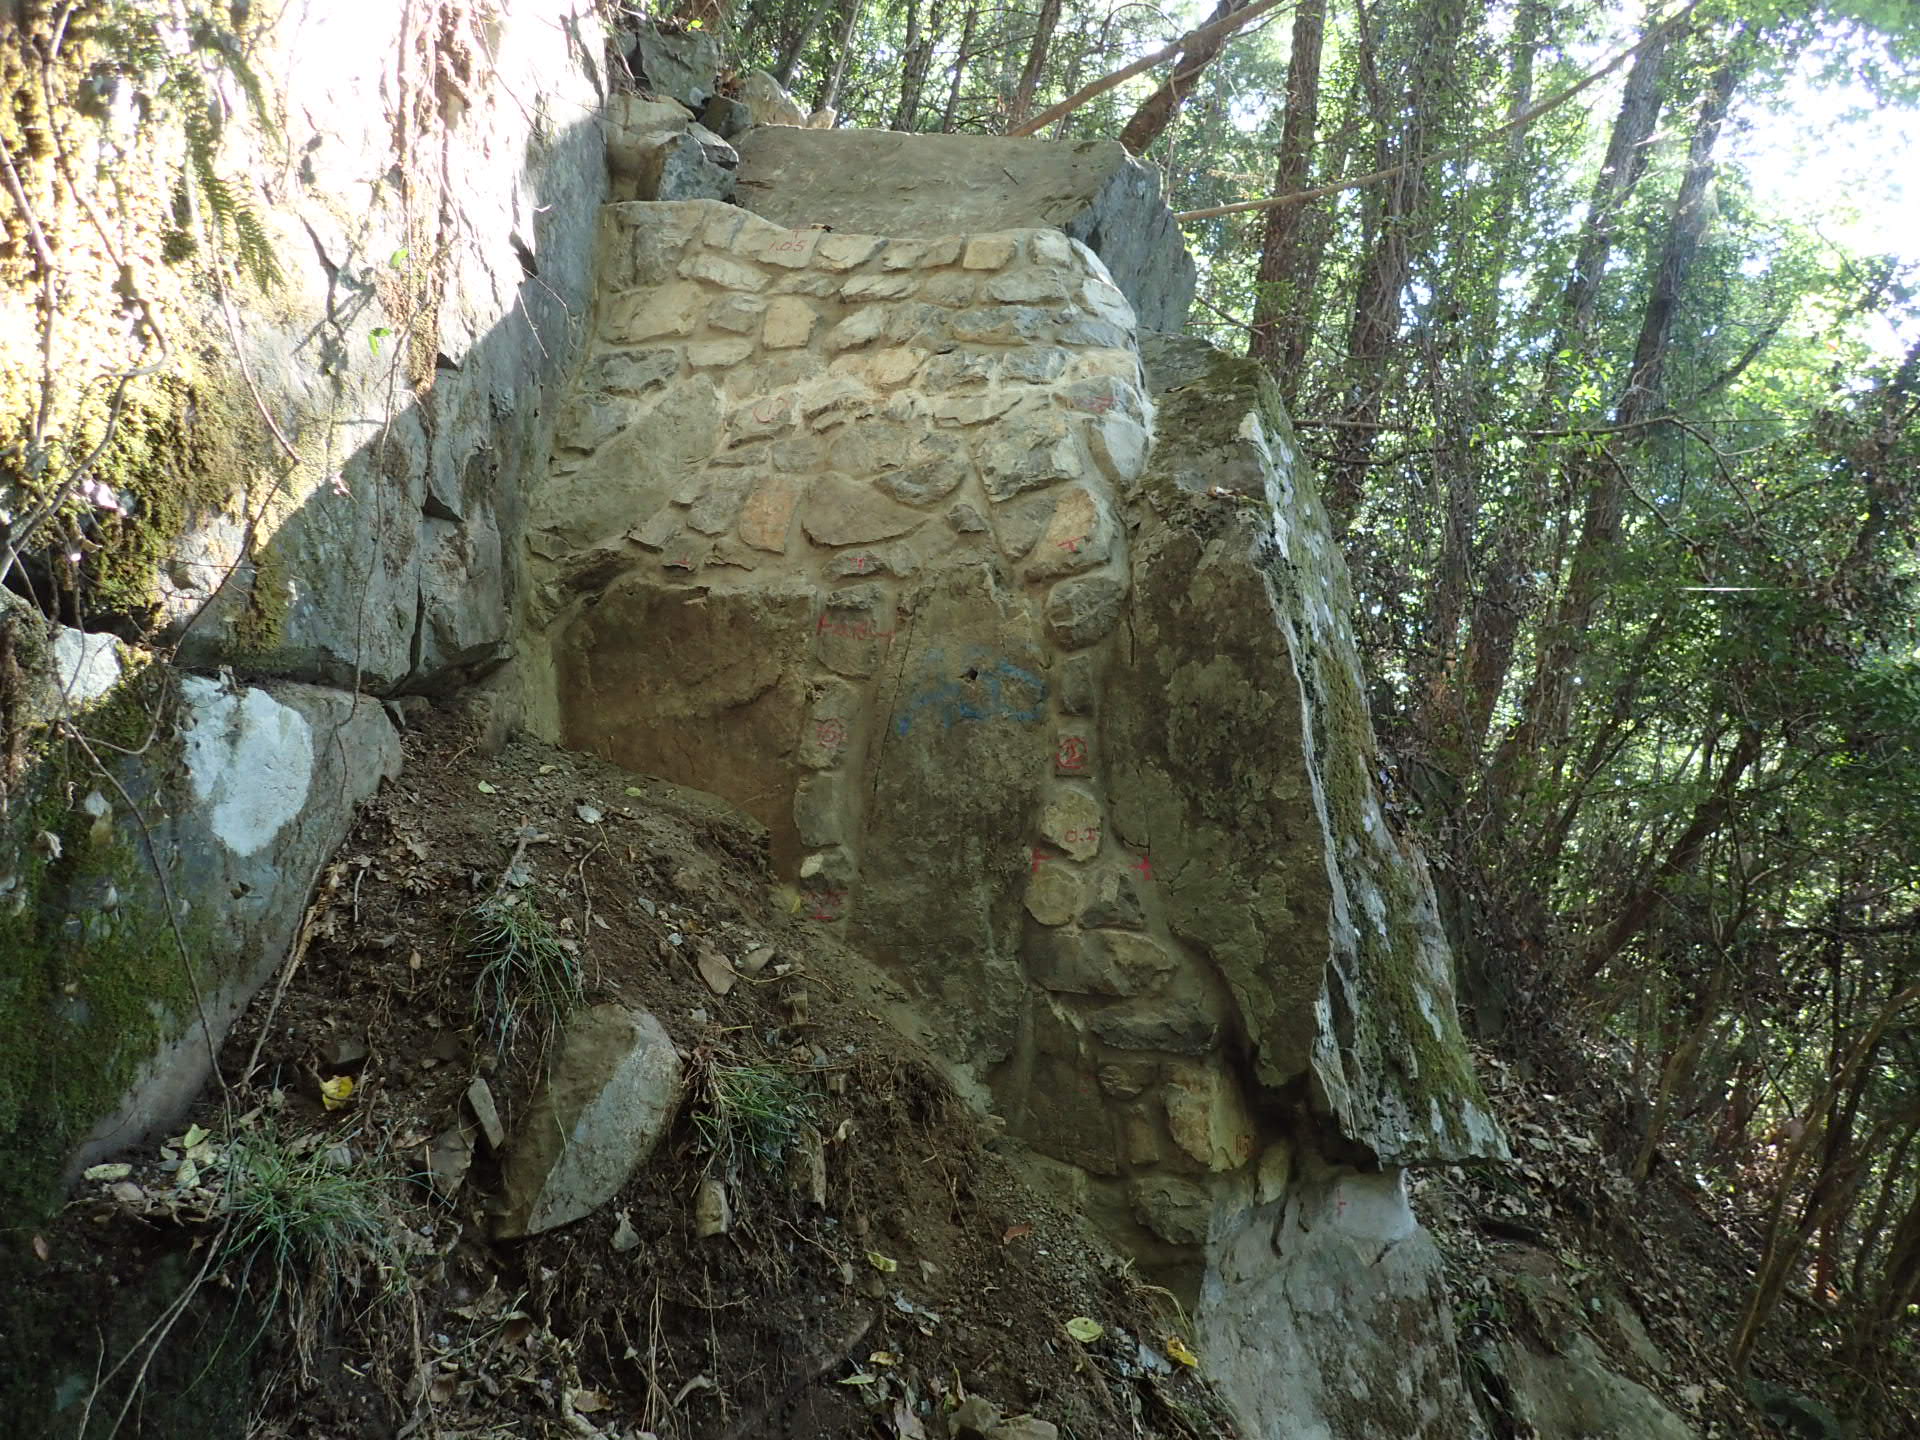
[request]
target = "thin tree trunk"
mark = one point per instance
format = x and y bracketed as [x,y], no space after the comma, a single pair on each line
[1239,20]
[1289,260]
[829,95]
[960,66]
[1677,1073]
[1043,28]
[1156,112]
[1395,219]
[909,81]
[1708,816]
[796,43]
[1783,1247]
[1545,711]
[1505,589]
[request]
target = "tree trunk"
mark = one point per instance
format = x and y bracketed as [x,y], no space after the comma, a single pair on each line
[829,95]
[1395,219]
[1156,112]
[910,82]
[960,66]
[795,43]
[1043,28]
[1784,1243]
[1545,710]
[1505,589]
[1289,260]
[1709,815]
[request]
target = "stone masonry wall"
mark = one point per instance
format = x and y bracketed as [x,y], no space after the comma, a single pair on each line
[860,533]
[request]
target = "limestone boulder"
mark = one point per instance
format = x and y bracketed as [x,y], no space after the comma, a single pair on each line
[609,1096]
[1574,1393]
[674,65]
[1325,1314]
[888,183]
[152,874]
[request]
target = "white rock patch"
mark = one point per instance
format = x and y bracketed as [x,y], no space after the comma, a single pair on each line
[249,759]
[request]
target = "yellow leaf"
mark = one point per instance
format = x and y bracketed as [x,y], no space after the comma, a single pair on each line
[486,789]
[863,1378]
[882,1263]
[1085,1329]
[1181,1351]
[336,1092]
[192,1138]
[883,1357]
[636,792]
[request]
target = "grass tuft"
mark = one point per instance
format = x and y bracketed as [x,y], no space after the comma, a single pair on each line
[526,969]
[748,1115]
[306,1229]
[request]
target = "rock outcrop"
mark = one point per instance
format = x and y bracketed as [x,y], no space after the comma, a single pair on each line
[161,851]
[320,492]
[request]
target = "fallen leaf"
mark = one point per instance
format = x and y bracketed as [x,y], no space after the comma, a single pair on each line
[548,769]
[882,1263]
[588,813]
[336,1092]
[1181,1351]
[1016,1232]
[906,1424]
[1085,1329]
[588,1401]
[192,1138]
[883,1357]
[187,1176]
[865,1377]
[756,960]
[441,1390]
[41,1248]
[127,1193]
[636,791]
[107,1172]
[486,789]
[715,970]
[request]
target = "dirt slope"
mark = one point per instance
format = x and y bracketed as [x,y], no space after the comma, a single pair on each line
[930,1276]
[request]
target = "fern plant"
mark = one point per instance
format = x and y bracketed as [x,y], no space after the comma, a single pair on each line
[173,57]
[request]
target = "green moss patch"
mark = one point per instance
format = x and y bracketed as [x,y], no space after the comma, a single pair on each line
[94,982]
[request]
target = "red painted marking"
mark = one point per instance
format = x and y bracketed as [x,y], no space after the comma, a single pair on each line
[1145,867]
[853,629]
[830,733]
[1072,753]
[1038,856]
[829,904]
[862,563]
[1071,544]
[1088,836]
[768,411]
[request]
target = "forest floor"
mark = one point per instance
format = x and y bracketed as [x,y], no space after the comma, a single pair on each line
[931,1291]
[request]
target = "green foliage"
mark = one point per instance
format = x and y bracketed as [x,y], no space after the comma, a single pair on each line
[140,44]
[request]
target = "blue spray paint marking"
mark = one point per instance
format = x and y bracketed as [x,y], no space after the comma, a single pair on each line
[996,689]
